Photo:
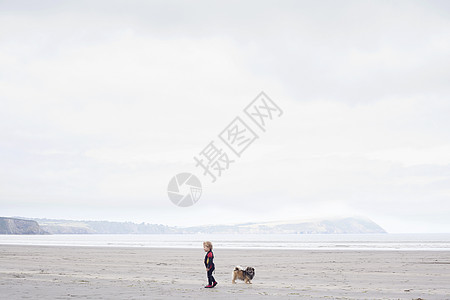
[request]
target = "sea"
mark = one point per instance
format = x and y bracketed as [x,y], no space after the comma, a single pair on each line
[361,242]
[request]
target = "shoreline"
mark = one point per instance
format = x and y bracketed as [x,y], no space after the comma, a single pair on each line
[385,242]
[343,249]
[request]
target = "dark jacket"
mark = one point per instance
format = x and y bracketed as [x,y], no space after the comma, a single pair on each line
[209,257]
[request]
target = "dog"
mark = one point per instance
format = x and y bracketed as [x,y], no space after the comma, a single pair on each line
[246,275]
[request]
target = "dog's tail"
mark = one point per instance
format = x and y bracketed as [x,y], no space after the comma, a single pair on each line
[237,268]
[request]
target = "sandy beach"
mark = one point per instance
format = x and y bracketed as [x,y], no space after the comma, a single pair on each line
[43,272]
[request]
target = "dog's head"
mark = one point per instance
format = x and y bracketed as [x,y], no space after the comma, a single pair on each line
[250,272]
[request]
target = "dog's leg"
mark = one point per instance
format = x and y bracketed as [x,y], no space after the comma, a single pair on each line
[234,278]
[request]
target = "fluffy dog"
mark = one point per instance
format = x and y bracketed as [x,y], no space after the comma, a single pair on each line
[243,274]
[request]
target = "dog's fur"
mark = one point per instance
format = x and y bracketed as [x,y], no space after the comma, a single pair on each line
[246,275]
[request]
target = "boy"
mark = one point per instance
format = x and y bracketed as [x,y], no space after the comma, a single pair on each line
[209,264]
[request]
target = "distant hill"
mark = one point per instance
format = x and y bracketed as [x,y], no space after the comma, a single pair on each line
[19,226]
[101,227]
[325,226]
[336,226]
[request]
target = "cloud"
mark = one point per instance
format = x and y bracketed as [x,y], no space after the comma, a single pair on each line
[102,103]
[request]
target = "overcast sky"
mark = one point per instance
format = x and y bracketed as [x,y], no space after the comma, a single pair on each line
[102,102]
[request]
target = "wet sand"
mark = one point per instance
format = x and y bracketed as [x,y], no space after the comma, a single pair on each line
[43,272]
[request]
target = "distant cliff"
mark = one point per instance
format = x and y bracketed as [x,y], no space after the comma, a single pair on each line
[19,226]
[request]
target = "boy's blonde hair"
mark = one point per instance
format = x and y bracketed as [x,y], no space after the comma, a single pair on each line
[208,244]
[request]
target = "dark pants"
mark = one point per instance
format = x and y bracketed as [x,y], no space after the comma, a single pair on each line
[211,279]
